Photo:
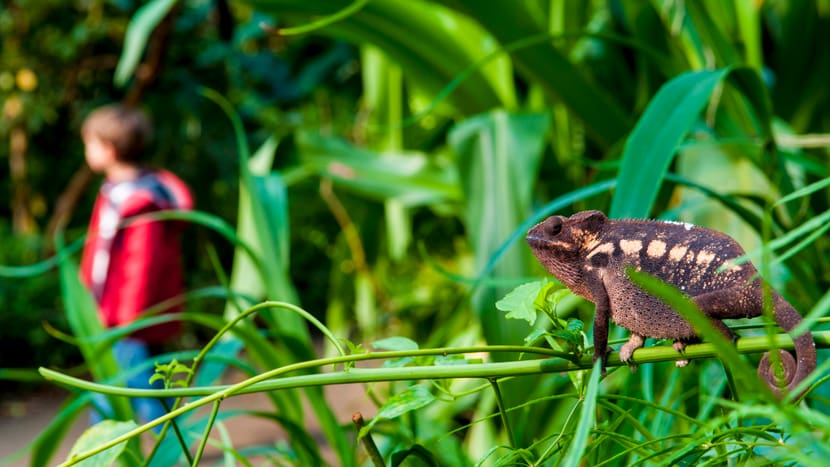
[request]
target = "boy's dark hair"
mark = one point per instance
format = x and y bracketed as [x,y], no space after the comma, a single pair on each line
[127,128]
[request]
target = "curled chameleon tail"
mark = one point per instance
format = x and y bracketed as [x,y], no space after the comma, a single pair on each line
[794,369]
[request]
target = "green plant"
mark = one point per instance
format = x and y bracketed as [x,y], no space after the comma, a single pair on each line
[475,123]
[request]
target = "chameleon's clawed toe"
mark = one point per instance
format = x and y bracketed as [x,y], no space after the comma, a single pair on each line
[680,347]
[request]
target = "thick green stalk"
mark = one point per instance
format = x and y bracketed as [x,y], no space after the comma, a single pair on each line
[260,383]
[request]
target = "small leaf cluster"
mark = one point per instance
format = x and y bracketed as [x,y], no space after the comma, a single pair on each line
[167,372]
[530,300]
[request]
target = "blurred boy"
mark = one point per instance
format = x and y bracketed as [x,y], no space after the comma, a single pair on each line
[131,267]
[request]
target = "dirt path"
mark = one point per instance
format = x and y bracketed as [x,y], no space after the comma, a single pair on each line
[21,420]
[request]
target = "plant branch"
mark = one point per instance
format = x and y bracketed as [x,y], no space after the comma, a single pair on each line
[260,383]
[267,382]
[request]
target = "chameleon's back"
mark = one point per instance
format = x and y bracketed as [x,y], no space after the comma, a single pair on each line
[694,259]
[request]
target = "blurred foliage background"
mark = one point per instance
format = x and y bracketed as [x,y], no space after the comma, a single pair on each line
[401,146]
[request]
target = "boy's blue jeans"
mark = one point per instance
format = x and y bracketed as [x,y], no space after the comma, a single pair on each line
[129,354]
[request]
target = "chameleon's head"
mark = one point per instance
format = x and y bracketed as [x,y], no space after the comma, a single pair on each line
[562,243]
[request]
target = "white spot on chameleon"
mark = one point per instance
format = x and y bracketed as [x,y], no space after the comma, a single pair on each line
[678,252]
[606,248]
[631,247]
[705,258]
[730,266]
[656,249]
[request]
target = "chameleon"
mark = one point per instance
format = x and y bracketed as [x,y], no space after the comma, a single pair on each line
[591,254]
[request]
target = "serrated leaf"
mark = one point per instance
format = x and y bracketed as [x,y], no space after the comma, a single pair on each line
[97,435]
[520,303]
[411,399]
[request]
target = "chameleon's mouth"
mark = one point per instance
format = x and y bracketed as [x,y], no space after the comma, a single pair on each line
[536,237]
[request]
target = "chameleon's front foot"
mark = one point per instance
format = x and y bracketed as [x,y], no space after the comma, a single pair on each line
[680,347]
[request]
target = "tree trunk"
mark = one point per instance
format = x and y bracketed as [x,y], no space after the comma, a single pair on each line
[23,223]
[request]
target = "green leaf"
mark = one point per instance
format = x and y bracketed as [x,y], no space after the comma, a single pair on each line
[804,192]
[411,399]
[418,451]
[549,297]
[82,316]
[324,21]
[534,335]
[395,343]
[138,34]
[664,124]
[652,144]
[97,435]
[587,420]
[548,65]
[433,45]
[520,303]
[410,178]
[51,436]
[498,157]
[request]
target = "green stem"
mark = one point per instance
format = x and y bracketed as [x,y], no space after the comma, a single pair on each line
[209,426]
[747,345]
[502,412]
[261,382]
[368,442]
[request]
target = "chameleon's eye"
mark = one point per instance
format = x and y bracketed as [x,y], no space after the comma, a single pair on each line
[554,227]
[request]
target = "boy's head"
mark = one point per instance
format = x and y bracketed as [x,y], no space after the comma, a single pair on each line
[115,134]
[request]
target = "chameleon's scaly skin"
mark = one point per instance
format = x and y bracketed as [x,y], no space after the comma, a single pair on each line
[590,254]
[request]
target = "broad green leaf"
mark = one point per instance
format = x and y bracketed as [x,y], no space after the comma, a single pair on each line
[411,178]
[413,398]
[547,66]
[82,316]
[651,146]
[97,435]
[432,46]
[498,156]
[587,420]
[138,34]
[265,203]
[50,438]
[520,303]
[665,123]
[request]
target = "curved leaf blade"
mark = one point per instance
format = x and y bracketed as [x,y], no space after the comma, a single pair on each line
[651,146]
[138,34]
